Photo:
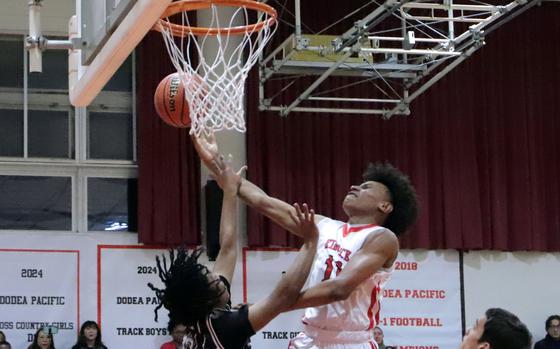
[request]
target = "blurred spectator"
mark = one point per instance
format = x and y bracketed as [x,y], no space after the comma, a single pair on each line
[5,345]
[378,336]
[497,329]
[552,339]
[2,337]
[177,332]
[89,337]
[42,340]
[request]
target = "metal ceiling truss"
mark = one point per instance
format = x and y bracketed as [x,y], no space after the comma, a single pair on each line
[396,64]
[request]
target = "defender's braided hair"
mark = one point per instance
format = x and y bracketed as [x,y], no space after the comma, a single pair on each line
[187,294]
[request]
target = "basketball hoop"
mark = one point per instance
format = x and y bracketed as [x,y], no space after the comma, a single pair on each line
[220,104]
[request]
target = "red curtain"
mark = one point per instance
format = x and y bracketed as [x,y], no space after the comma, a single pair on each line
[481,147]
[169,170]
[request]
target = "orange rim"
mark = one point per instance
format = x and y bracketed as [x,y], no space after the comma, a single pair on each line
[193,5]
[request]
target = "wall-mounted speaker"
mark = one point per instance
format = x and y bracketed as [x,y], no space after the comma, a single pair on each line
[214,197]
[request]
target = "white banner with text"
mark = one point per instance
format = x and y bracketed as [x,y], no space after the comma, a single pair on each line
[126,303]
[39,288]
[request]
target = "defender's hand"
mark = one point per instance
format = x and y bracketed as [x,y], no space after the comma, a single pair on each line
[304,218]
[227,179]
[207,150]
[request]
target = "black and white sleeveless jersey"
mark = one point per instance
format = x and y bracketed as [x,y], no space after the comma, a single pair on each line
[228,329]
[223,329]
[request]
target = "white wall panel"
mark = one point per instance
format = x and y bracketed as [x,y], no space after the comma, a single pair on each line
[525,283]
[54,16]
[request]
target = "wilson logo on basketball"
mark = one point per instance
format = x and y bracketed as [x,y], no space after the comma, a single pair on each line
[172,96]
[173,89]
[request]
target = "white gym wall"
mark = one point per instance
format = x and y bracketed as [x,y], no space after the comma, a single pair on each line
[54,17]
[522,282]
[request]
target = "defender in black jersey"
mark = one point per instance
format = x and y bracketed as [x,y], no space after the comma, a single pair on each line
[200,299]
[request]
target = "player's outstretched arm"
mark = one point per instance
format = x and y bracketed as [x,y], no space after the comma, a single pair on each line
[378,251]
[288,288]
[229,181]
[277,210]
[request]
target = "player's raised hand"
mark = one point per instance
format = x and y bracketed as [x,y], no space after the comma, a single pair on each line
[207,150]
[227,178]
[304,218]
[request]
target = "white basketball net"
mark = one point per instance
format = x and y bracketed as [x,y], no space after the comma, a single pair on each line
[215,87]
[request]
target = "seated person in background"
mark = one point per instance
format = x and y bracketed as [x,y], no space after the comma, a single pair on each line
[201,299]
[497,329]
[552,339]
[378,337]
[5,345]
[42,340]
[177,332]
[89,337]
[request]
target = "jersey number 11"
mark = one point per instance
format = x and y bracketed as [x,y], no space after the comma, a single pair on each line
[330,267]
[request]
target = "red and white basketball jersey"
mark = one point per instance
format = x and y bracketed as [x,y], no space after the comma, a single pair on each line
[337,243]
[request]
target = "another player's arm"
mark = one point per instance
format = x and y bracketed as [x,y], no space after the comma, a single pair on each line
[229,181]
[288,288]
[273,208]
[377,251]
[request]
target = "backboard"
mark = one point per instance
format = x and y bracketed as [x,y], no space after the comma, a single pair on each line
[98,20]
[107,32]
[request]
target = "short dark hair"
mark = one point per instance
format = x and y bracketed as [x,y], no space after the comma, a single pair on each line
[172,324]
[504,330]
[549,321]
[403,195]
[5,343]
[188,294]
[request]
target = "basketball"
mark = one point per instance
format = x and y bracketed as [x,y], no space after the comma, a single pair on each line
[170,102]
